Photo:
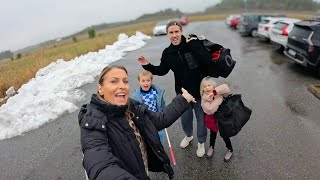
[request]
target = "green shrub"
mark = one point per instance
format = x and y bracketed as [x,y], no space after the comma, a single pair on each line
[74,39]
[91,32]
[18,56]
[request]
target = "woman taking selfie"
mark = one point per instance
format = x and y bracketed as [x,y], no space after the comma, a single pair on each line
[119,136]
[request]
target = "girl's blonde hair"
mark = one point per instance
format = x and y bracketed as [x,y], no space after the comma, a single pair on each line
[209,79]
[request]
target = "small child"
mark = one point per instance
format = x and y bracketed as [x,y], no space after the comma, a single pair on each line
[149,94]
[211,98]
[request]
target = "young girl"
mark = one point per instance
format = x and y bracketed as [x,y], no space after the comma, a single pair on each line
[211,98]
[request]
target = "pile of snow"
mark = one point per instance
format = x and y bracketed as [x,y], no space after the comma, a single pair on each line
[54,92]
[10,91]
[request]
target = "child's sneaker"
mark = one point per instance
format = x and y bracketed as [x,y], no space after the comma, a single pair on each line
[210,152]
[228,156]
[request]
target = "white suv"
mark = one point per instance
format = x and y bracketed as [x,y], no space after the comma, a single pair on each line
[264,27]
[279,33]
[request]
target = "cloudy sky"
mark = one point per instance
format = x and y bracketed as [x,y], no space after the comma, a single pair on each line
[25,23]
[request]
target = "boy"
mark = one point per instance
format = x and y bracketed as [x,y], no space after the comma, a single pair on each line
[149,94]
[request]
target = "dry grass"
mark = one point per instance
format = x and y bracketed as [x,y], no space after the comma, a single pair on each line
[300,16]
[209,17]
[19,71]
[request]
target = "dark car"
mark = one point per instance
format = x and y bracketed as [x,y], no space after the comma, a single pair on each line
[303,45]
[248,22]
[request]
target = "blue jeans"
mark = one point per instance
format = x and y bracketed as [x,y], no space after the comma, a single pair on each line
[161,135]
[187,121]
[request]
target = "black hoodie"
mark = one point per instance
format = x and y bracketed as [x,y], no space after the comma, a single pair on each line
[175,58]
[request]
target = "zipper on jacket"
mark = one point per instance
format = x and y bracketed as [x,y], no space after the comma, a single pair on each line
[184,72]
[180,56]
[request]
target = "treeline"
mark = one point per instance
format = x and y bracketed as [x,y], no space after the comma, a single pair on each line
[167,13]
[163,13]
[6,54]
[307,5]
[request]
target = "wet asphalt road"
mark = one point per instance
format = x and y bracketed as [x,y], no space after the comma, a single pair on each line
[280,141]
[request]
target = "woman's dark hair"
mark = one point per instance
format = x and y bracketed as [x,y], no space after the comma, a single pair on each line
[107,69]
[173,23]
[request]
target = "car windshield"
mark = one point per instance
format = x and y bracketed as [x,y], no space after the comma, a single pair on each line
[280,25]
[253,18]
[265,21]
[162,23]
[300,31]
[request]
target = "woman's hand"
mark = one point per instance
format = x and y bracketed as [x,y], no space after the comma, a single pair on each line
[188,96]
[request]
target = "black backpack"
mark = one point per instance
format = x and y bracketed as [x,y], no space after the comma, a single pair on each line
[221,63]
[232,115]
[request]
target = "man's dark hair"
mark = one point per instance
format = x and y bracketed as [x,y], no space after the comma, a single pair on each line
[173,23]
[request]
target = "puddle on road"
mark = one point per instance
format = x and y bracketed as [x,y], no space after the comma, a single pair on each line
[250,45]
[294,107]
[277,57]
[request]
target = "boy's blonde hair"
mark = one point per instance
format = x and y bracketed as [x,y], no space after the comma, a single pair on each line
[145,73]
[209,79]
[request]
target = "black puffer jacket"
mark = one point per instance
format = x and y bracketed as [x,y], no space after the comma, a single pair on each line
[177,58]
[110,148]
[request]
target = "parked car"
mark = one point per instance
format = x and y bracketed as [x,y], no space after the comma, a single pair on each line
[234,22]
[248,23]
[160,28]
[230,18]
[265,26]
[279,33]
[184,20]
[303,45]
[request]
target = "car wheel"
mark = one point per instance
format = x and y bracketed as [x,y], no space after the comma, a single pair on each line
[254,33]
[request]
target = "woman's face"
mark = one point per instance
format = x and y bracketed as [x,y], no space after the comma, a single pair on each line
[115,89]
[207,87]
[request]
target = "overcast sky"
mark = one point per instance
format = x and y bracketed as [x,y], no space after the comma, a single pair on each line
[25,23]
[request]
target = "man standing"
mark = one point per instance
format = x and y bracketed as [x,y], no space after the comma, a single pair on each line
[180,57]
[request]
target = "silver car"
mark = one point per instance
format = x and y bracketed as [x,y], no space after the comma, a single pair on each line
[160,28]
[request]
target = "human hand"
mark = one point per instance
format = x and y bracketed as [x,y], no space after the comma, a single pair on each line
[209,97]
[190,38]
[143,61]
[188,96]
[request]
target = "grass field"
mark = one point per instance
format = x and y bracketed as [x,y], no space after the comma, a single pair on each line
[20,71]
